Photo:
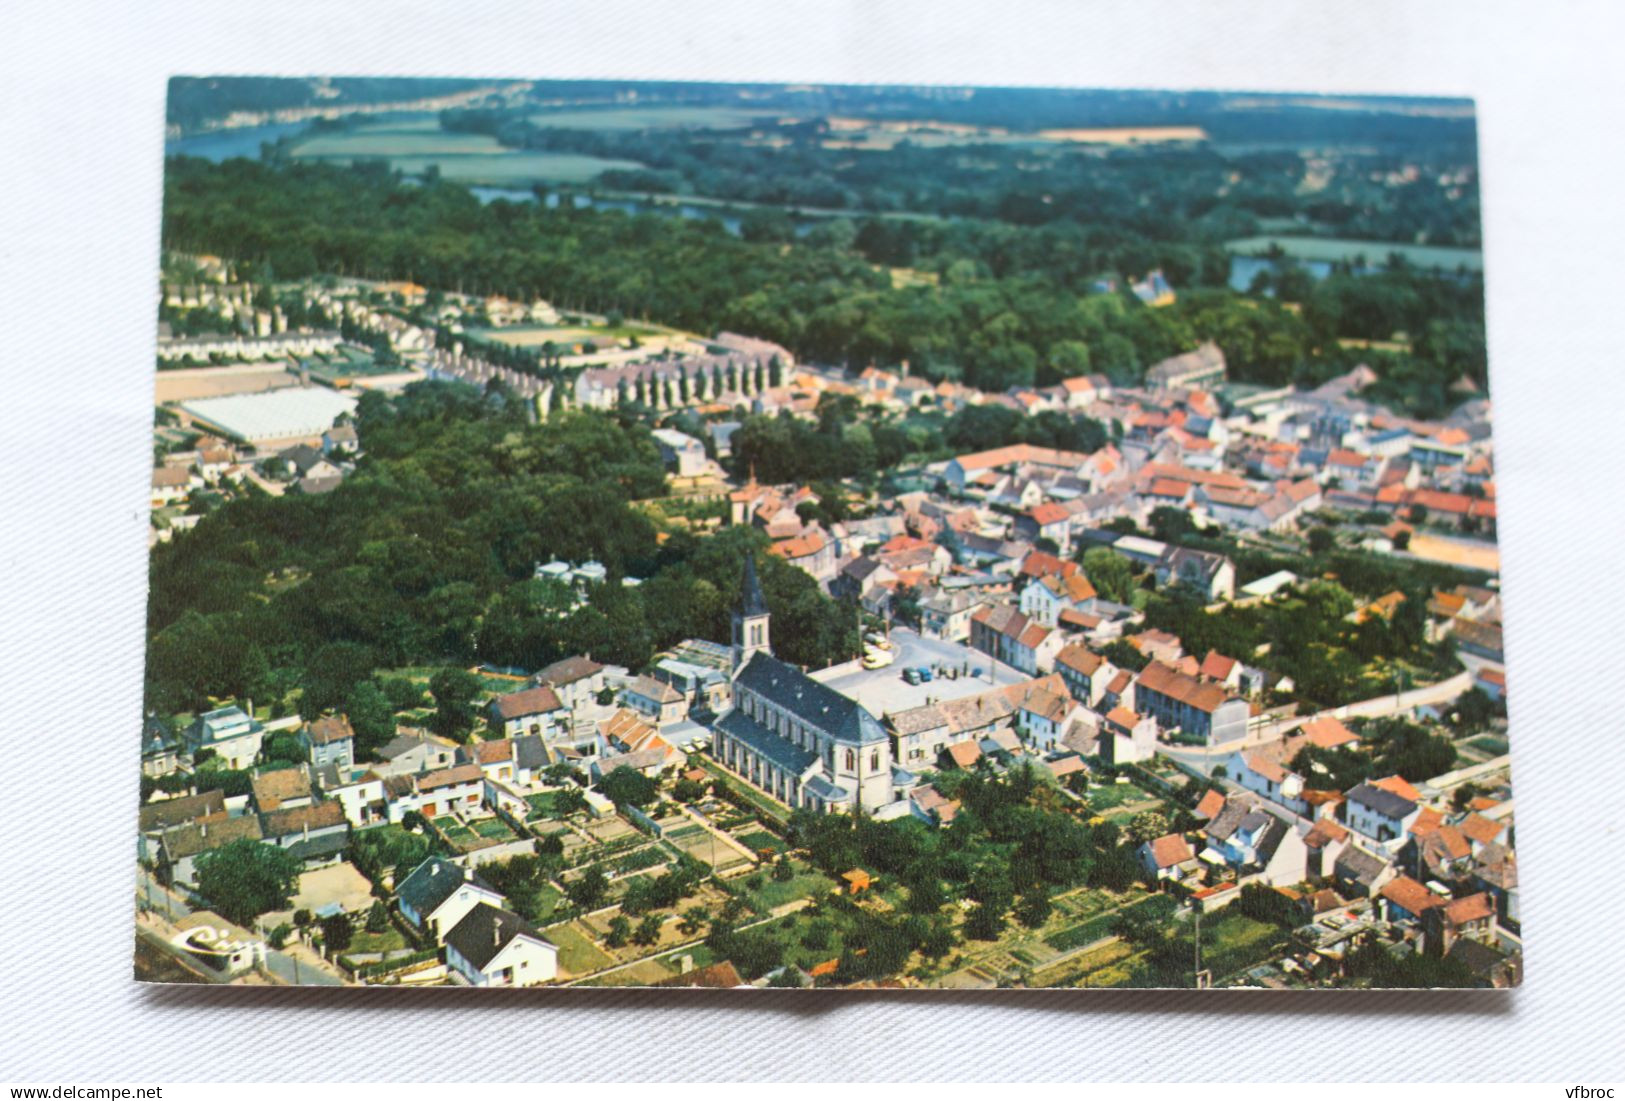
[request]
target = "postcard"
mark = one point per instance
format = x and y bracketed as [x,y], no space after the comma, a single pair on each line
[804,536]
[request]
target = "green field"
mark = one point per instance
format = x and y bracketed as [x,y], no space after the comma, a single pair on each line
[411,147]
[761,839]
[493,829]
[577,954]
[1334,249]
[669,117]
[1104,797]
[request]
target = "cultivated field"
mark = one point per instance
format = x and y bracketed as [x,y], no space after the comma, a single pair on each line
[412,146]
[1334,249]
[672,117]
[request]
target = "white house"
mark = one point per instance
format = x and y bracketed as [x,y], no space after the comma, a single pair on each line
[230,732]
[533,711]
[493,947]
[439,894]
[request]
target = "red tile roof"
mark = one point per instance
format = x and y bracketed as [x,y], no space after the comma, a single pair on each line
[1170,850]
[1410,895]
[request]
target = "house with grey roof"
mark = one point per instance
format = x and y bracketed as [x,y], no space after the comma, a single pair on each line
[230,733]
[491,946]
[1255,842]
[438,893]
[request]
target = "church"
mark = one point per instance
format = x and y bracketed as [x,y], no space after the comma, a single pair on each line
[796,739]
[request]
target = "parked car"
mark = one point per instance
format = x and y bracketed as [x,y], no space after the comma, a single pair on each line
[911,675]
[877,659]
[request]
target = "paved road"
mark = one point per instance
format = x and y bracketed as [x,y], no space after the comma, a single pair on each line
[172,905]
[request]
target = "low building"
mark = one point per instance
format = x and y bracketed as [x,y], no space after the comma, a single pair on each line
[438,894]
[230,733]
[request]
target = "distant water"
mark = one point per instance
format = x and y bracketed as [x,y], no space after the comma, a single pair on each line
[222,145]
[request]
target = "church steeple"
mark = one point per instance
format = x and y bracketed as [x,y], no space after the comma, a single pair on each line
[750,619]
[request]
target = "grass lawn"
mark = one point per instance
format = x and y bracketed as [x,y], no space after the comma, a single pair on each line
[761,839]
[452,829]
[577,954]
[1103,797]
[387,941]
[1237,942]
[493,828]
[806,883]
[542,804]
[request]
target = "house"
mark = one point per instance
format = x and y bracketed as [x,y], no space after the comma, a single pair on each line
[1126,737]
[171,484]
[438,894]
[1221,670]
[493,947]
[1203,712]
[1260,773]
[232,735]
[964,469]
[932,806]
[178,849]
[495,758]
[1044,710]
[1202,367]
[1085,673]
[576,681]
[659,701]
[682,454]
[1254,842]
[412,752]
[316,833]
[160,748]
[947,614]
[1324,843]
[281,789]
[1211,575]
[1492,682]
[359,791]
[530,711]
[1381,813]
[1046,521]
[1404,899]
[1045,599]
[811,551]
[1005,634]
[459,788]
[1167,857]
[1360,873]
[329,740]
[341,437]
[153,819]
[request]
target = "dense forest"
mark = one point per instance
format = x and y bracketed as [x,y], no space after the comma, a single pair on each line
[1009,305]
[426,554]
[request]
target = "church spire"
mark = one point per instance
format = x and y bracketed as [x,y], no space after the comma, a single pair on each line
[752,603]
[750,619]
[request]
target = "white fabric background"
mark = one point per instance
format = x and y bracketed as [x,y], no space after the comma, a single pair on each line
[82,118]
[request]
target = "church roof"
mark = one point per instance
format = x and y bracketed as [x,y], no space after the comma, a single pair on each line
[762,741]
[818,705]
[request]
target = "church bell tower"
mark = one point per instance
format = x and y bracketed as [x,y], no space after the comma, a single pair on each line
[750,620]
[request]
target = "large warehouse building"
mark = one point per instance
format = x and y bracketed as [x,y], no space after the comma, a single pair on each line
[279,418]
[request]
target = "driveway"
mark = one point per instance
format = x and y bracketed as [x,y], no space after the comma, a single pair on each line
[885,690]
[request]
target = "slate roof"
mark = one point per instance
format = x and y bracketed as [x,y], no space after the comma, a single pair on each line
[329,729]
[1386,803]
[316,816]
[434,881]
[530,752]
[201,837]
[818,705]
[176,812]
[531,701]
[568,671]
[759,739]
[486,930]
[1236,808]
[1356,864]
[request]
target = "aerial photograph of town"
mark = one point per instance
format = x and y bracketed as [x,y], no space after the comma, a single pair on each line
[636,534]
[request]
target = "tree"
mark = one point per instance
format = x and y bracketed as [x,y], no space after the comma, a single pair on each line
[620,931]
[1170,524]
[454,691]
[1110,573]
[626,786]
[244,879]
[984,922]
[693,920]
[371,717]
[1034,908]
[377,917]
[587,891]
[1321,540]
[1147,826]
[337,932]
[648,930]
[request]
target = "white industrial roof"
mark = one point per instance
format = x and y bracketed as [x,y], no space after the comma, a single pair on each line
[277,414]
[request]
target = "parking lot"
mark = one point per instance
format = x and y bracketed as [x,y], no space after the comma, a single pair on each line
[885,690]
